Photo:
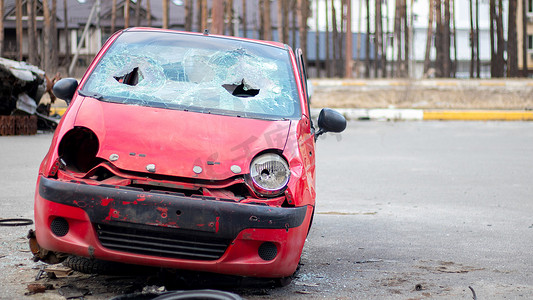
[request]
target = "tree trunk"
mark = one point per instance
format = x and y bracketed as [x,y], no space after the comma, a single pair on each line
[19,29]
[328,42]
[138,13]
[377,39]
[285,24]
[217,15]
[359,25]
[340,40]
[244,25]
[501,40]
[54,59]
[149,13]
[472,37]
[446,39]
[302,24]
[335,38]
[439,62]
[454,65]
[266,18]
[229,14]
[524,40]
[67,35]
[512,42]
[127,13]
[348,66]
[317,39]
[492,8]
[113,16]
[280,20]
[1,28]
[46,37]
[478,59]
[406,39]
[294,22]
[429,37]
[203,15]
[187,7]
[367,42]
[398,36]
[32,43]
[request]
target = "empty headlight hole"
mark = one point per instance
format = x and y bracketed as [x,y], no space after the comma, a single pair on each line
[78,149]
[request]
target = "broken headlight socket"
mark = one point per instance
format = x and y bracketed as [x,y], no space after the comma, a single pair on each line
[269,174]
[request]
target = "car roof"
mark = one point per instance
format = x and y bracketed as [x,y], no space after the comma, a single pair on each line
[152,29]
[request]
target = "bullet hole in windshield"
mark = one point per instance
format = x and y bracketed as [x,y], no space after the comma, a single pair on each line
[241,90]
[131,78]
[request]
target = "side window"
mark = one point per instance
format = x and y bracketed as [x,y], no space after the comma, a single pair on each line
[303,76]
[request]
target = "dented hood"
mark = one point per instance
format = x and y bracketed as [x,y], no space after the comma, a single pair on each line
[176,142]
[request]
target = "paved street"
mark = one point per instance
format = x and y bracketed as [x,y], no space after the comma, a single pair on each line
[405,210]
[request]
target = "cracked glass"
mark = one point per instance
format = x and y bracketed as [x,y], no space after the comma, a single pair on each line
[196,73]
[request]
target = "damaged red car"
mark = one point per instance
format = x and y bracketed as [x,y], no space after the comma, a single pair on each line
[186,151]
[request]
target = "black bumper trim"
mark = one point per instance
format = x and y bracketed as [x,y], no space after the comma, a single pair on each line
[125,207]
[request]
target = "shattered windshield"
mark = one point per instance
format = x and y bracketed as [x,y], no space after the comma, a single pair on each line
[196,73]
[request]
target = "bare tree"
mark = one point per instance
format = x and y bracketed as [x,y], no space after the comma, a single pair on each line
[148,13]
[266,27]
[127,13]
[472,40]
[524,40]
[32,43]
[348,67]
[1,28]
[54,60]
[302,24]
[229,15]
[335,37]
[429,36]
[446,40]
[454,35]
[138,13]
[512,43]
[367,41]
[280,20]
[187,7]
[165,13]
[359,25]
[45,60]
[439,72]
[244,25]
[18,13]
[67,35]
[478,59]
[217,15]
[501,41]
[327,43]
[285,25]
[317,38]
[203,14]
[113,15]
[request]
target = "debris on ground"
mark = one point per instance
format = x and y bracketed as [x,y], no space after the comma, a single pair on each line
[21,88]
[35,288]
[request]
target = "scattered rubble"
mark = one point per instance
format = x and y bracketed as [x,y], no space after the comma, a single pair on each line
[21,88]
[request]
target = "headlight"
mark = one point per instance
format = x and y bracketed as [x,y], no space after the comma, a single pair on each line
[270,174]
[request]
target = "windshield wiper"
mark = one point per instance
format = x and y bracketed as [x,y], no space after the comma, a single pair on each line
[94,95]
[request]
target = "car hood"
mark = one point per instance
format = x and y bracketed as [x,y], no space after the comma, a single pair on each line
[178,143]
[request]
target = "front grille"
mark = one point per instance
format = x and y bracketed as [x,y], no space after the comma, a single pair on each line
[163,242]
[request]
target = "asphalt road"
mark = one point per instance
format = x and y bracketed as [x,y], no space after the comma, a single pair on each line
[405,210]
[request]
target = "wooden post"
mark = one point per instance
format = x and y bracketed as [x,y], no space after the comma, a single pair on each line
[138,13]
[113,16]
[244,20]
[203,15]
[165,14]
[148,13]
[46,51]
[32,47]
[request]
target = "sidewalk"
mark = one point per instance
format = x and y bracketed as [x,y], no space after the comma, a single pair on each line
[426,99]
[394,114]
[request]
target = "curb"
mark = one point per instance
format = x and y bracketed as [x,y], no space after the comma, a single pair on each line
[392,114]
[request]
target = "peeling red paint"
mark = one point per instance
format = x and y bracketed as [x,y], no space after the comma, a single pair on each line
[106,201]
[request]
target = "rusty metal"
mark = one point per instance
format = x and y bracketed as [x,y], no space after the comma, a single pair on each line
[41,254]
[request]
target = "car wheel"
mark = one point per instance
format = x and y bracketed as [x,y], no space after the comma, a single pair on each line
[95,266]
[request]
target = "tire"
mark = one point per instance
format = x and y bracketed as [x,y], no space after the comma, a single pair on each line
[95,266]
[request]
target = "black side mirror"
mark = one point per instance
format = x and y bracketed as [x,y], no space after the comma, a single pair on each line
[65,88]
[330,120]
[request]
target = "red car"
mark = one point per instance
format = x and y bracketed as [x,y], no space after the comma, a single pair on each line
[186,151]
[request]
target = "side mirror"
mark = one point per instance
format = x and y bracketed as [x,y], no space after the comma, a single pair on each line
[65,88]
[330,120]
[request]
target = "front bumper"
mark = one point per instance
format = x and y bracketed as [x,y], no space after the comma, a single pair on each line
[169,229]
